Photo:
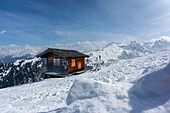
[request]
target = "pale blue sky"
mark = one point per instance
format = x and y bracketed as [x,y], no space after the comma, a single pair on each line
[54,22]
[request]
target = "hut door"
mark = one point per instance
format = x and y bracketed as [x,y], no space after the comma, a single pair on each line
[79,65]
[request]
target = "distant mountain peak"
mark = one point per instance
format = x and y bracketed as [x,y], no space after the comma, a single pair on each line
[162,38]
[10,54]
[115,51]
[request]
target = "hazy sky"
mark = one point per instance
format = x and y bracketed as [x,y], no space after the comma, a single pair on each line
[58,22]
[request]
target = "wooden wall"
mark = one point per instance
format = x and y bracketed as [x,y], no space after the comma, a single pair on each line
[59,69]
[52,56]
[72,69]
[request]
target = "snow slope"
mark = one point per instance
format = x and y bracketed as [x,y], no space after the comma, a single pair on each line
[154,84]
[110,89]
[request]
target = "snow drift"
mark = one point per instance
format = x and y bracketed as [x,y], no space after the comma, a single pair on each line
[91,96]
[87,89]
[154,84]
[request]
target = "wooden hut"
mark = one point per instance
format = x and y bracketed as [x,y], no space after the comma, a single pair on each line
[62,62]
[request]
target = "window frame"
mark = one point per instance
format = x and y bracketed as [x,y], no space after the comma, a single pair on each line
[56,62]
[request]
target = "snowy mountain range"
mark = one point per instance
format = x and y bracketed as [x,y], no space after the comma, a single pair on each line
[12,53]
[116,51]
[113,51]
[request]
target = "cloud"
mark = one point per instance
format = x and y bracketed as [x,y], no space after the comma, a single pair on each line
[165,17]
[13,45]
[59,45]
[111,36]
[63,33]
[83,45]
[1,32]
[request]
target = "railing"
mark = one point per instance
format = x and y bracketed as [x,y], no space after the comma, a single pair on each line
[57,69]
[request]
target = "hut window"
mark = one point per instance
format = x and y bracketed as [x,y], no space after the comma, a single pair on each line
[56,62]
[73,62]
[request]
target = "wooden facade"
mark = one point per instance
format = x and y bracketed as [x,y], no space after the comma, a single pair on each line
[63,61]
[51,66]
[79,64]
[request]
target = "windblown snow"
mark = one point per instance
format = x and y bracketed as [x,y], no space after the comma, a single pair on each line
[137,84]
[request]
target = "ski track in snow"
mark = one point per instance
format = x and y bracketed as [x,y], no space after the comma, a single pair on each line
[107,90]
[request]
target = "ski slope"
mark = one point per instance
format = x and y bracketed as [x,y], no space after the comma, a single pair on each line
[119,88]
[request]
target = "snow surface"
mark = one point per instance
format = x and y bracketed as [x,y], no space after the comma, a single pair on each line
[128,85]
[111,89]
[154,84]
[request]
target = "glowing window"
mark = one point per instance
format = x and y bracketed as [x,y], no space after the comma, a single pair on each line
[73,62]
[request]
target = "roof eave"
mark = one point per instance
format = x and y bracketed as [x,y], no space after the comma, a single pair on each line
[47,51]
